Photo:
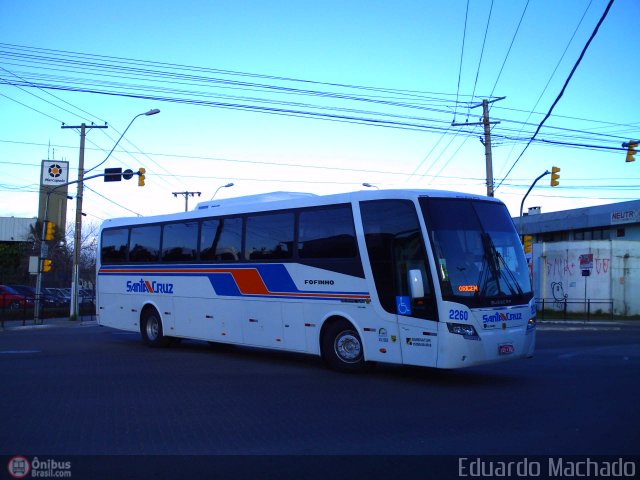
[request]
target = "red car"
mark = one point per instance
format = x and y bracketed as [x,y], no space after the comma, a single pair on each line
[9,298]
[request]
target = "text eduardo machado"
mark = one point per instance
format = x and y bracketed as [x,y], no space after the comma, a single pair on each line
[558,467]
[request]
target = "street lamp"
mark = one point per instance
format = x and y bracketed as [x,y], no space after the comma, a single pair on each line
[221,186]
[547,172]
[149,113]
[76,247]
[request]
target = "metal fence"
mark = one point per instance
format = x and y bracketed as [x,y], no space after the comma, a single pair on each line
[589,307]
[20,309]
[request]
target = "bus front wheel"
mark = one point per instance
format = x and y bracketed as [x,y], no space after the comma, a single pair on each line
[151,328]
[342,348]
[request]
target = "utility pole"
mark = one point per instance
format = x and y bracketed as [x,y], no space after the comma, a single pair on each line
[487,139]
[77,239]
[186,197]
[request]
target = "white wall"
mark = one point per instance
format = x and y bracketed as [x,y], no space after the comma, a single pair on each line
[614,275]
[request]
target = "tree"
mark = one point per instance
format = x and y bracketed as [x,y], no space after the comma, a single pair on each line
[11,258]
[88,249]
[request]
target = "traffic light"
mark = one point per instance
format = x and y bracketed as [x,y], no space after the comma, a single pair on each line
[50,231]
[527,242]
[631,151]
[47,265]
[555,176]
[141,173]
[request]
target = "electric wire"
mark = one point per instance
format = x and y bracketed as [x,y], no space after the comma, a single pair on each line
[464,35]
[486,31]
[513,39]
[564,87]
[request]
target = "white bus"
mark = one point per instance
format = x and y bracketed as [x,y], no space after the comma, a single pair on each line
[415,277]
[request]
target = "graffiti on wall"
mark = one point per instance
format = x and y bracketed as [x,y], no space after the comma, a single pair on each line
[558,294]
[568,270]
[563,267]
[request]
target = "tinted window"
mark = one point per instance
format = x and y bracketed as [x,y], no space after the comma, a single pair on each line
[179,241]
[221,239]
[144,245]
[327,233]
[395,246]
[114,245]
[477,251]
[269,236]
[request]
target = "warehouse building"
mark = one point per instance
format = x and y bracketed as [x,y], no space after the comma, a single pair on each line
[586,260]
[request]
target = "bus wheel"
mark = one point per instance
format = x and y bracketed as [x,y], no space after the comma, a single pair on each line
[342,348]
[151,328]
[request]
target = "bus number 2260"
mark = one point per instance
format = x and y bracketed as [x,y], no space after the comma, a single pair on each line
[458,315]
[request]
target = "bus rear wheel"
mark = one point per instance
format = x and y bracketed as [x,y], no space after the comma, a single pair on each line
[342,347]
[151,329]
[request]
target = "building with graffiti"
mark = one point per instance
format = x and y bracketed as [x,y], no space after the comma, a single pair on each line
[587,259]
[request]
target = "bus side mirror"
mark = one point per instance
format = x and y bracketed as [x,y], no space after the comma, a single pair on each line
[416,286]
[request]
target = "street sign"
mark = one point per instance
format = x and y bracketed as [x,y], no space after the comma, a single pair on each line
[586,261]
[112,174]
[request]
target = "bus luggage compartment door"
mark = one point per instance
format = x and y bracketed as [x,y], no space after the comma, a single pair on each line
[419,341]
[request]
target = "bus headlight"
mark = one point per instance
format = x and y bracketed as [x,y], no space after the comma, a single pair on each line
[531,324]
[463,329]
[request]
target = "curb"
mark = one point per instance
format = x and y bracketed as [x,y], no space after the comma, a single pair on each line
[52,323]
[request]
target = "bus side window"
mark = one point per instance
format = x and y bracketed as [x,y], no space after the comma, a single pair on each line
[179,241]
[144,245]
[221,239]
[270,236]
[327,232]
[114,245]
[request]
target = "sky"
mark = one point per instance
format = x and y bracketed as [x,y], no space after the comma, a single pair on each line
[318,96]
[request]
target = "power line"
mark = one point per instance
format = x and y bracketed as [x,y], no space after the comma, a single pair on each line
[552,73]
[464,35]
[509,50]
[564,87]
[486,31]
[112,201]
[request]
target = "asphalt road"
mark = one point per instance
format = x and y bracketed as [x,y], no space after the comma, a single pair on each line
[88,390]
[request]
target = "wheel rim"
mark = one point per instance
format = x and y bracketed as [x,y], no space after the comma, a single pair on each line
[153,328]
[348,347]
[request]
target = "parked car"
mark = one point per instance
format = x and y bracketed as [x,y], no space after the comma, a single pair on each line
[86,297]
[57,295]
[9,298]
[29,293]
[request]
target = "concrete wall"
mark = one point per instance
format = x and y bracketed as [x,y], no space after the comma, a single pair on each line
[614,275]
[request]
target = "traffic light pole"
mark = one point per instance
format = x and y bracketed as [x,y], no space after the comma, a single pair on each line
[43,253]
[36,310]
[547,172]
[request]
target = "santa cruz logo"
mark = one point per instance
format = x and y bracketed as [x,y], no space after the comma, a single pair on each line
[145,286]
[501,317]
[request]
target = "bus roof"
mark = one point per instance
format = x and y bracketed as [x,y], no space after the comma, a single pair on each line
[287,200]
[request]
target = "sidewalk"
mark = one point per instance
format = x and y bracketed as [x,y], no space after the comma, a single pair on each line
[62,322]
[573,325]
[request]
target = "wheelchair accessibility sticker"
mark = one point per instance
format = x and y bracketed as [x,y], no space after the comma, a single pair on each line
[403,305]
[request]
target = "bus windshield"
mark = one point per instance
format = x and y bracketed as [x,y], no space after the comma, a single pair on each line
[477,251]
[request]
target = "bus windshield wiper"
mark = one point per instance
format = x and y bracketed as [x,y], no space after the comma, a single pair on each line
[499,266]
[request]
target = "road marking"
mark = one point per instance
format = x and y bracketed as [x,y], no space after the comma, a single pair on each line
[19,352]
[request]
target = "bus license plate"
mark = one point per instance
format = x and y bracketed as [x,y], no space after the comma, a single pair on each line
[506,349]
